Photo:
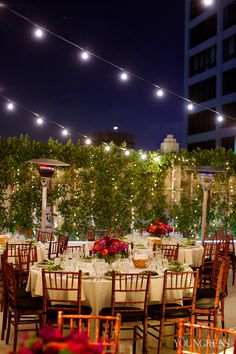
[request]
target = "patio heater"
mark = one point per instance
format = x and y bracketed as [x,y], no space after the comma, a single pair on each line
[46,168]
[206,175]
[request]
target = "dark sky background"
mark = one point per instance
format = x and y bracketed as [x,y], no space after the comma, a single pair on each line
[48,77]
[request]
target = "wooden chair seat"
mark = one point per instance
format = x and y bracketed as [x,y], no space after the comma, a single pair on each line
[128,314]
[155,311]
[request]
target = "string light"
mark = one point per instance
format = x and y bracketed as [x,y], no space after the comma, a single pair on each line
[10,106]
[127,152]
[65,132]
[220,118]
[39,33]
[39,120]
[190,106]
[208,2]
[107,148]
[158,158]
[115,128]
[159,92]
[88,141]
[143,156]
[84,55]
[124,76]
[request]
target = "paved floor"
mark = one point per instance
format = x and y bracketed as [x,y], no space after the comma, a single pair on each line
[230,322]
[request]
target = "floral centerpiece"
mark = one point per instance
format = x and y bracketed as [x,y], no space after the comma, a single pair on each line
[159,228]
[51,341]
[109,248]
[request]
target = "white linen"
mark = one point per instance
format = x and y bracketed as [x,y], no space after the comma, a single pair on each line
[97,293]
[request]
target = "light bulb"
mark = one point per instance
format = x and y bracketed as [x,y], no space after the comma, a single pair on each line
[143,156]
[208,2]
[158,158]
[190,106]
[107,148]
[84,55]
[10,106]
[127,153]
[220,118]
[115,128]
[160,92]
[65,132]
[88,141]
[38,32]
[39,120]
[124,76]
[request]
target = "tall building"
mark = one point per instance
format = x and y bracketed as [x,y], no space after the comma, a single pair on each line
[210,73]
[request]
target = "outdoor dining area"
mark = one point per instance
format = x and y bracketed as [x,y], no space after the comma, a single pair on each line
[115,253]
[131,293]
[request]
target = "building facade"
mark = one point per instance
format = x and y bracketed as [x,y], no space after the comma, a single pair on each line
[210,73]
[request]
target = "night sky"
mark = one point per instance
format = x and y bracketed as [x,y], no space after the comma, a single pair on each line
[48,77]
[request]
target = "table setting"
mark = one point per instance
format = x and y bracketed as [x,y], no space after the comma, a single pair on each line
[97,271]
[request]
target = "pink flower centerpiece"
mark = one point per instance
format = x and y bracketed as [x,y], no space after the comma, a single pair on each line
[159,228]
[109,248]
[51,341]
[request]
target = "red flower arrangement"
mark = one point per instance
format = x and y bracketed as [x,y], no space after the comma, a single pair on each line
[51,341]
[159,228]
[108,248]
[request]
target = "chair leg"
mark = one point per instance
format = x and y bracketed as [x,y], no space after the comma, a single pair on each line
[160,337]
[4,318]
[222,309]
[16,321]
[134,340]
[8,326]
[145,336]
[233,269]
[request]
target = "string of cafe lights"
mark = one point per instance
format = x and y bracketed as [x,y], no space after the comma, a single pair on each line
[124,75]
[11,106]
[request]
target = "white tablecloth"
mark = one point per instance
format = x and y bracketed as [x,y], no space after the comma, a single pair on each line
[191,255]
[96,293]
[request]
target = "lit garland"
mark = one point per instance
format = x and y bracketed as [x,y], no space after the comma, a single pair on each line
[39,33]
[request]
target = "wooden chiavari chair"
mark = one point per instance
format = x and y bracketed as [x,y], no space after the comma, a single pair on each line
[107,329]
[178,302]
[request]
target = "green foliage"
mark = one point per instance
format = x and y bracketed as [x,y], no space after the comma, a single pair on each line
[103,188]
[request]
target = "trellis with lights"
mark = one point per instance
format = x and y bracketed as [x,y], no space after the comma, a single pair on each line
[124,75]
[105,188]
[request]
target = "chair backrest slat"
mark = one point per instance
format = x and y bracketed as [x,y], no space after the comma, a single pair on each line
[169,252]
[107,329]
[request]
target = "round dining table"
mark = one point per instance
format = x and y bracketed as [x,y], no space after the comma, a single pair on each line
[96,291]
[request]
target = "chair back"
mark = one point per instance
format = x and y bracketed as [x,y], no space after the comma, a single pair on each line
[76,250]
[179,291]
[44,236]
[223,262]
[63,243]
[26,258]
[11,285]
[61,291]
[170,252]
[54,249]
[130,290]
[193,338]
[12,251]
[107,328]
